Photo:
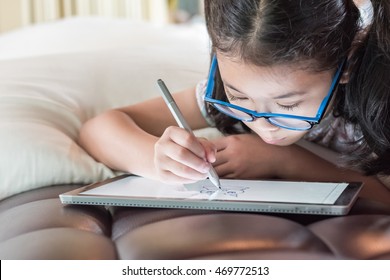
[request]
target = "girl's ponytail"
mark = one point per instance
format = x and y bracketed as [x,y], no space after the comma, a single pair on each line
[367,94]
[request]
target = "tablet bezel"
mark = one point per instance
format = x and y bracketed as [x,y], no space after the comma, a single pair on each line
[342,205]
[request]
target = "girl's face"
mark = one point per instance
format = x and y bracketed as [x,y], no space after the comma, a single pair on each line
[277,89]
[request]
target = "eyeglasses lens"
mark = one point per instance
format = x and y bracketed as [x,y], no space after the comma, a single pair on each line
[233,112]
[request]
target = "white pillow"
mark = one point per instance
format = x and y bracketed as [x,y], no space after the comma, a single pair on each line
[85,34]
[45,99]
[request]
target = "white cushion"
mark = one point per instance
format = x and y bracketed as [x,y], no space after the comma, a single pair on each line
[48,93]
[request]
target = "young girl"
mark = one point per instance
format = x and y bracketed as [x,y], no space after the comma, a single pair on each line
[280,71]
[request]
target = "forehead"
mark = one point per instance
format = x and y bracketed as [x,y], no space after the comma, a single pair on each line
[239,67]
[280,77]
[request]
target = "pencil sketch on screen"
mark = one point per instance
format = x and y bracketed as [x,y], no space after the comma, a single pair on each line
[234,190]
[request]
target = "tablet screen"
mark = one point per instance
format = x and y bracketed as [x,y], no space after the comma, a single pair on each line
[234,195]
[231,190]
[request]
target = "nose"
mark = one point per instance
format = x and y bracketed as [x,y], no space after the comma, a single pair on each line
[262,124]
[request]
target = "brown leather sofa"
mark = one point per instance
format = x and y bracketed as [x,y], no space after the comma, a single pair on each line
[35,225]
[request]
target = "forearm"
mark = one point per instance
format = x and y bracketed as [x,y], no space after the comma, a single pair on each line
[114,139]
[301,164]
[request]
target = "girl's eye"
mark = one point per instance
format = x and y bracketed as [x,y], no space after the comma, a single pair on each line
[288,107]
[232,97]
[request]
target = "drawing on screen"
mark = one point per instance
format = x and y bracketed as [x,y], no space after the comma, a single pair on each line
[231,191]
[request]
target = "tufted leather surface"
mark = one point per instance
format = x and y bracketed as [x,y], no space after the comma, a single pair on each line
[35,225]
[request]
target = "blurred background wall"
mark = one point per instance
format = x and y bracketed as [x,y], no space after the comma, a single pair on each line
[20,13]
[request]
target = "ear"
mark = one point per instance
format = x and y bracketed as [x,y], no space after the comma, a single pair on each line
[345,76]
[346,72]
[349,63]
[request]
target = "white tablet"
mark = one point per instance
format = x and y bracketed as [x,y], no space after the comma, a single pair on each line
[235,195]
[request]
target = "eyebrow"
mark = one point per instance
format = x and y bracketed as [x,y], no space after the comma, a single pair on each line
[282,96]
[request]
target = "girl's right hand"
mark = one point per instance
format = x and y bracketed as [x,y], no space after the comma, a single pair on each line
[180,157]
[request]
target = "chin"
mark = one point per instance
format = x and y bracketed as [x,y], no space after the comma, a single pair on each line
[285,141]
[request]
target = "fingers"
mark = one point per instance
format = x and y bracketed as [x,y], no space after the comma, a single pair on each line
[180,157]
[220,144]
[224,170]
[183,162]
[223,165]
[187,150]
[210,149]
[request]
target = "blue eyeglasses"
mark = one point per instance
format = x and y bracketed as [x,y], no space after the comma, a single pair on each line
[286,121]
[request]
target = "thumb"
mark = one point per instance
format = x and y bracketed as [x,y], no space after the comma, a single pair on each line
[210,149]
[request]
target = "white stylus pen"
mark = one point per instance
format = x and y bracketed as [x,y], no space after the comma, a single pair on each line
[213,176]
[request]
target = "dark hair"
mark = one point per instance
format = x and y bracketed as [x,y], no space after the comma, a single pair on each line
[365,101]
[316,35]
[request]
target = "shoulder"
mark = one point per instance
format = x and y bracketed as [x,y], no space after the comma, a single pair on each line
[200,92]
[335,133]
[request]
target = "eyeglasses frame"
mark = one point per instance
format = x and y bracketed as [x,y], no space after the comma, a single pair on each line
[255,115]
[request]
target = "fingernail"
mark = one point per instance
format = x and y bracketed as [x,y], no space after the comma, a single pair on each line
[205,167]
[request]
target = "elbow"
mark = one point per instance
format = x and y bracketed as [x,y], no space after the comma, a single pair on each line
[92,129]
[84,134]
